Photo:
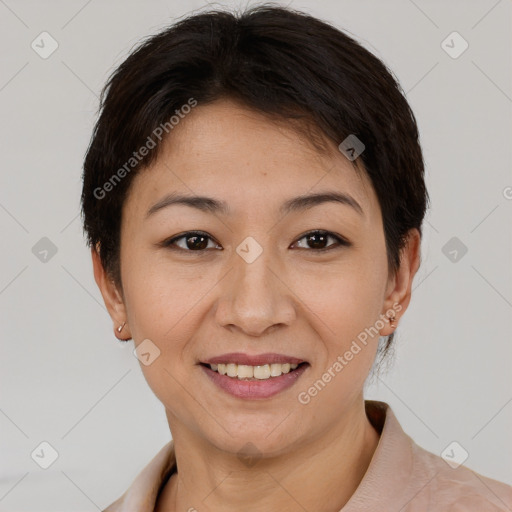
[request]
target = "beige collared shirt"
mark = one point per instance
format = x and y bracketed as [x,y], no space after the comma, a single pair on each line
[401,477]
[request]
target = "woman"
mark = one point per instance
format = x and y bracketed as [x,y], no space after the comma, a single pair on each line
[253,198]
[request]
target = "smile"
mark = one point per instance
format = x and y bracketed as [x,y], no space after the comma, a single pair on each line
[252,382]
[247,372]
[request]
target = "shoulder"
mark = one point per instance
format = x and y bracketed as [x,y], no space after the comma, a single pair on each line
[457,488]
[404,476]
[142,493]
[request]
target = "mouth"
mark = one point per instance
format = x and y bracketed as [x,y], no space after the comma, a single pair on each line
[254,373]
[254,377]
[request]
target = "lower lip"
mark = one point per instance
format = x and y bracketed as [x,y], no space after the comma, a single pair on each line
[254,389]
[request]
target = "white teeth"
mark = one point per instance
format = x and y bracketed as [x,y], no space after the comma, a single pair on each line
[263,372]
[231,370]
[244,371]
[275,370]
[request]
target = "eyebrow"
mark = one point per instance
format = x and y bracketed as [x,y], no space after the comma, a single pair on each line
[296,204]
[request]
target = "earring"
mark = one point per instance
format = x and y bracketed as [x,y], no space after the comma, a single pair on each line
[119,329]
[392,322]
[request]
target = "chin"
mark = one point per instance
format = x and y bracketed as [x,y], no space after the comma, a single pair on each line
[266,439]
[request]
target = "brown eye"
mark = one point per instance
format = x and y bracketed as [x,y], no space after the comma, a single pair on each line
[317,240]
[193,241]
[197,241]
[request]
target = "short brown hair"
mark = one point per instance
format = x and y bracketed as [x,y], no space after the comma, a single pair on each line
[284,63]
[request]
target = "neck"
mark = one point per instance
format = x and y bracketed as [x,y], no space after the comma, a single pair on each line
[333,464]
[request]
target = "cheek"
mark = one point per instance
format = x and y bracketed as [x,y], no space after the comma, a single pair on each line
[344,320]
[344,305]
[160,295]
[166,304]
[163,306]
[345,299]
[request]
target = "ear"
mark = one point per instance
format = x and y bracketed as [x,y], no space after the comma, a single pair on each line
[398,292]
[111,296]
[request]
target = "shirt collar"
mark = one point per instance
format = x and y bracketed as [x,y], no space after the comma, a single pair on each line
[390,467]
[385,481]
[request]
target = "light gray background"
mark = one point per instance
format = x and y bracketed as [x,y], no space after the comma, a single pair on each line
[65,379]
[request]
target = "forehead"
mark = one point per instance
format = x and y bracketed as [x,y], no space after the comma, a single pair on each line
[246,159]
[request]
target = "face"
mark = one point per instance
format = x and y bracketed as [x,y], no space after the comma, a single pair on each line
[261,281]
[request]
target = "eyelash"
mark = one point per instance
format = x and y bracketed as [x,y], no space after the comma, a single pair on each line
[341,242]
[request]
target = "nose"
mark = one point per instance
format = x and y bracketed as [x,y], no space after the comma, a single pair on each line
[254,297]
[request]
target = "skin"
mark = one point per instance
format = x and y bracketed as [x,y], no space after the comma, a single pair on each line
[292,300]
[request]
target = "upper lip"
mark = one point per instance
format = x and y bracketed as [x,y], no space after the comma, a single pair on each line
[253,360]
